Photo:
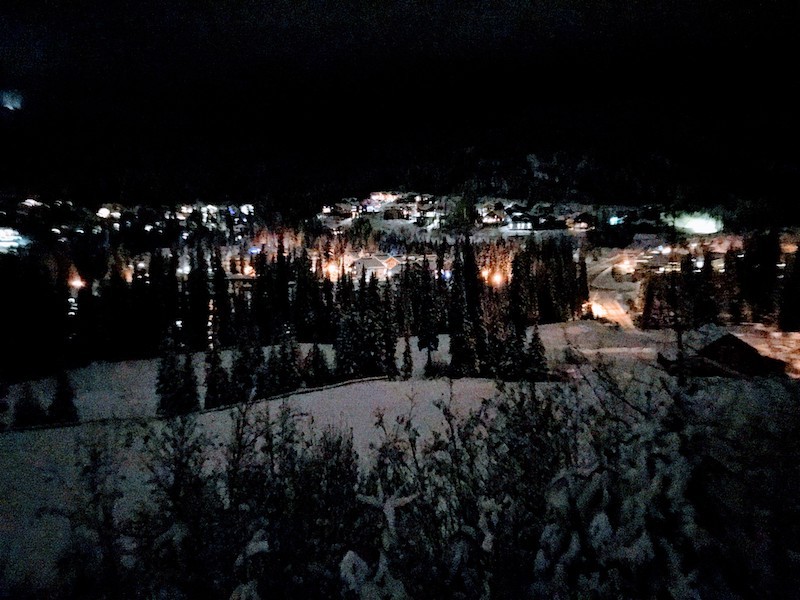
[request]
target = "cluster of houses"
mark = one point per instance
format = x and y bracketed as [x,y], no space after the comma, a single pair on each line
[428,211]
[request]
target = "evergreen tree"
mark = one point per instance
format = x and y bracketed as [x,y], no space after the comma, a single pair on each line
[427,327]
[536,360]
[346,346]
[28,409]
[306,300]
[223,318]
[217,382]
[408,364]
[759,273]
[62,409]
[197,297]
[316,371]
[169,382]
[281,285]
[647,318]
[733,292]
[706,306]
[289,362]
[582,294]
[473,292]
[189,397]
[248,361]
[388,332]
[463,352]
[789,316]
[270,377]
[519,290]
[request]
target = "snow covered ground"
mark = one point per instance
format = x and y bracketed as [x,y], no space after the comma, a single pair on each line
[37,467]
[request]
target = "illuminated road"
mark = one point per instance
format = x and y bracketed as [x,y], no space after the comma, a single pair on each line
[608,296]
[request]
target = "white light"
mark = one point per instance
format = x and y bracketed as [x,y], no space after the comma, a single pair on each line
[11,99]
[103,213]
[699,223]
[148,227]
[598,310]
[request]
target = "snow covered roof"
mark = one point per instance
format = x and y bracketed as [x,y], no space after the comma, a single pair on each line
[368,263]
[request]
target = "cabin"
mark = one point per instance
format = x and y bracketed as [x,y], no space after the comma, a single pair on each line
[713,352]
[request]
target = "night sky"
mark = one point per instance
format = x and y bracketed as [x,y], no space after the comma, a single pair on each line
[248,97]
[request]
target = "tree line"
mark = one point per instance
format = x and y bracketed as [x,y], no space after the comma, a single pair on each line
[753,286]
[123,313]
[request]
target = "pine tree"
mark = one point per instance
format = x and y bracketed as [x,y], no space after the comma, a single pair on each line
[706,307]
[197,297]
[463,351]
[408,365]
[370,349]
[28,409]
[223,319]
[473,292]
[316,371]
[168,380]
[647,318]
[536,358]
[427,327]
[217,382]
[62,409]
[289,361]
[583,282]
[189,397]
[789,316]
[733,292]
[388,332]
[248,361]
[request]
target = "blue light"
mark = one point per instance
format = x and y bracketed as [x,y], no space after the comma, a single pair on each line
[255,250]
[614,220]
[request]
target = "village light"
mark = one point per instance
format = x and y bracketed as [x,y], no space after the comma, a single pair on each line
[77,283]
[497,279]
[485,273]
[598,310]
[103,213]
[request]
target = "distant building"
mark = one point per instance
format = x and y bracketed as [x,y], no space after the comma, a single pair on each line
[713,352]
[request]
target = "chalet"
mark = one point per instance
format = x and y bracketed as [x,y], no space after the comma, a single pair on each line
[520,222]
[493,217]
[711,351]
[370,265]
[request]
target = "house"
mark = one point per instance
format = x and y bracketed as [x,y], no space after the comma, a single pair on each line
[520,223]
[370,265]
[711,351]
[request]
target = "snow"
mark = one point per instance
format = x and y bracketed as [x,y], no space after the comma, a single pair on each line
[37,467]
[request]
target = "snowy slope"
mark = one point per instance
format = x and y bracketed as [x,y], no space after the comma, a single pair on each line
[37,468]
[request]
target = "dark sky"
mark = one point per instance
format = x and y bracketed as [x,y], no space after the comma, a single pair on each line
[248,96]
